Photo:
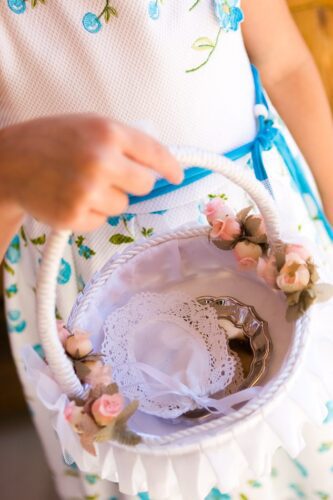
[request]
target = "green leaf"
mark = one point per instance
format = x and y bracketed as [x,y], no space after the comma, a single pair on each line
[147,232]
[223,245]
[293,298]
[113,11]
[203,43]
[223,196]
[194,5]
[280,254]
[79,241]
[81,370]
[313,271]
[57,314]
[112,389]
[128,412]
[294,313]
[105,434]
[39,241]
[124,436]
[119,239]
[23,236]
[107,14]
[259,240]
[7,268]
[242,215]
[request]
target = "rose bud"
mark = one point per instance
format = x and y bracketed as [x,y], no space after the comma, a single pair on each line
[299,250]
[294,276]
[63,333]
[226,230]
[217,209]
[247,253]
[78,345]
[267,270]
[106,408]
[73,415]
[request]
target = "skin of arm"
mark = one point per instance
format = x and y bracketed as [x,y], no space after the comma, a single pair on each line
[292,81]
[73,171]
[293,84]
[10,221]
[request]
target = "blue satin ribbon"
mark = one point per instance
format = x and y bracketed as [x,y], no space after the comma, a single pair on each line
[267,137]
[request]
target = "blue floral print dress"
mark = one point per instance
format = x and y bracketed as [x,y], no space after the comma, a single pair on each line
[92,25]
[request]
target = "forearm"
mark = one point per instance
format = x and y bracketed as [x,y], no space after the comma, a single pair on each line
[301,101]
[10,222]
[293,83]
[11,215]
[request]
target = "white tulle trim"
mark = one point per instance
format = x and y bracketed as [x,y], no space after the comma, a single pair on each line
[191,468]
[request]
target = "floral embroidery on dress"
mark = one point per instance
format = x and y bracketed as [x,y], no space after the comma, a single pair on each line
[65,273]
[120,238]
[93,22]
[15,322]
[84,250]
[154,8]
[229,16]
[20,6]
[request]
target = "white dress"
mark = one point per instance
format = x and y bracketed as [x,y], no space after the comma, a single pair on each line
[183,75]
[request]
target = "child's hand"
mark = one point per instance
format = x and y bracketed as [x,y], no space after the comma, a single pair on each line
[73,171]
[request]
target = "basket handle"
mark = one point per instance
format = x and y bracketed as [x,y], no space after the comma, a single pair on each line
[60,365]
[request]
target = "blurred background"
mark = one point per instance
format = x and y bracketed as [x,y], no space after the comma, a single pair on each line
[19,445]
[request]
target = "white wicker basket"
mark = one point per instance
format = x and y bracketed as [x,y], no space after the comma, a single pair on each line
[182,462]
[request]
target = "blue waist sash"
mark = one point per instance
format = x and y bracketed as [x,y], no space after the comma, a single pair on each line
[267,137]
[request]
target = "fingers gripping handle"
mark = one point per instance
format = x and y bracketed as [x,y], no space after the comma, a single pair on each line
[57,359]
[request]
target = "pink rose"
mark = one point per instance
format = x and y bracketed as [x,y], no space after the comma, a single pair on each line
[73,415]
[294,276]
[217,209]
[300,250]
[226,230]
[267,270]
[99,374]
[255,225]
[106,408]
[63,333]
[247,254]
[78,345]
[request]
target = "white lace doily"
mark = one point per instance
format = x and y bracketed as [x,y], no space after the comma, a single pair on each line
[167,351]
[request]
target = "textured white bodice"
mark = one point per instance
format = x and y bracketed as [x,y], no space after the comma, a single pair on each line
[63,56]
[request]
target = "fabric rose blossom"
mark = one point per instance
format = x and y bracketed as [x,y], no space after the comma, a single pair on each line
[300,250]
[78,345]
[73,415]
[228,229]
[217,209]
[294,275]
[99,374]
[290,269]
[247,254]
[106,408]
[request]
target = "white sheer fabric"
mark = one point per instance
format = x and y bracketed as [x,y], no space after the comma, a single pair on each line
[188,356]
